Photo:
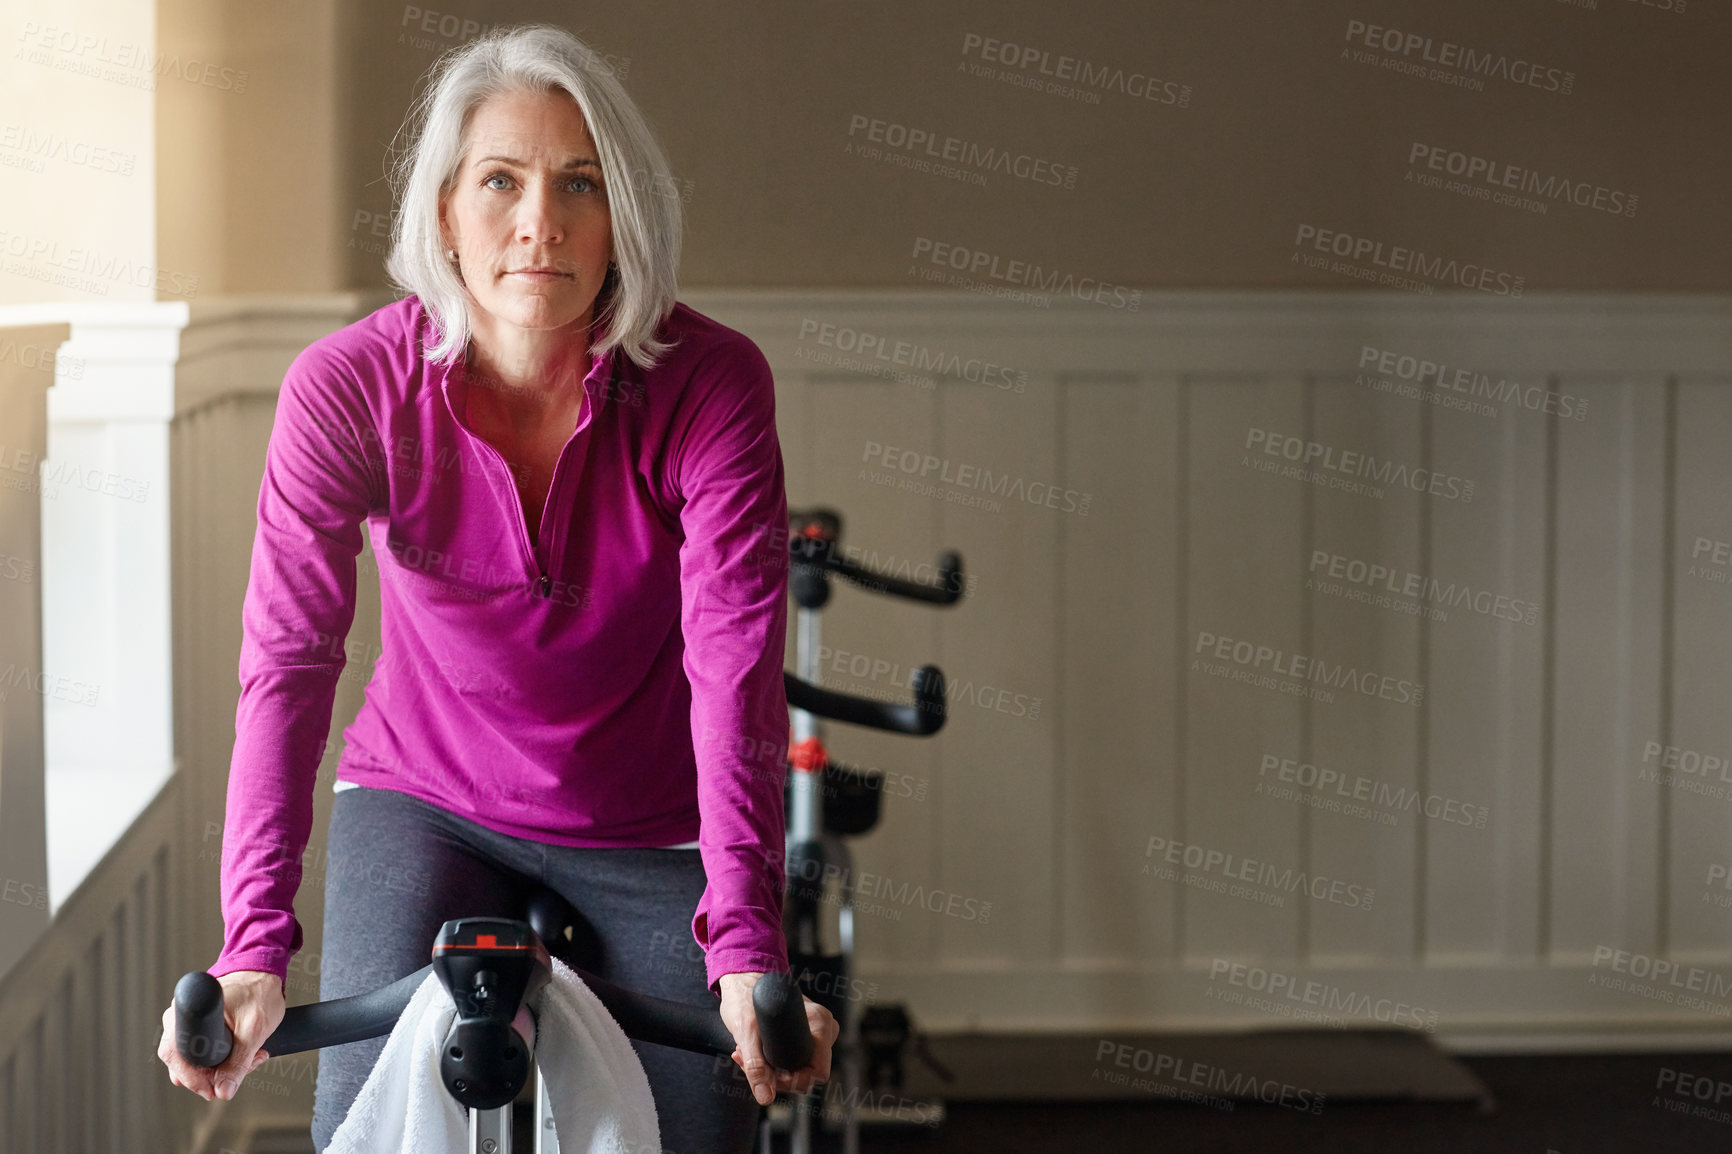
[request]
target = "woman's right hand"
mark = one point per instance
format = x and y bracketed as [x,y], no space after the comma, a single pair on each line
[253,1006]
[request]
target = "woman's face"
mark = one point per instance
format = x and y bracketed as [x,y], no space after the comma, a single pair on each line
[527,212]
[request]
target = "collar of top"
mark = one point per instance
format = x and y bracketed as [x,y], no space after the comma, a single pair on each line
[454,382]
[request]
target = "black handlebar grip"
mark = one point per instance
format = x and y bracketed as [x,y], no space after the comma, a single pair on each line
[921,719]
[201,1034]
[930,704]
[947,590]
[950,578]
[782,1029]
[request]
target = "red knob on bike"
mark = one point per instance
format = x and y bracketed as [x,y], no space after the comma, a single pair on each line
[807,756]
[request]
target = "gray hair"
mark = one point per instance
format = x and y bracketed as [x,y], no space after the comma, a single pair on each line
[646,220]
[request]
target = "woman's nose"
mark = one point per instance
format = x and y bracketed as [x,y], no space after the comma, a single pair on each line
[537,218]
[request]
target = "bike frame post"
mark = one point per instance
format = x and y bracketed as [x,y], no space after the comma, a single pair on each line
[490,1131]
[805,823]
[806,812]
[546,1138]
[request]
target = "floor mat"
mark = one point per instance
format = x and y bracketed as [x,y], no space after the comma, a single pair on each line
[1295,1068]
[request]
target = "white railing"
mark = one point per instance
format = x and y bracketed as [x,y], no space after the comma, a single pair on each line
[27,354]
[83,770]
[141,459]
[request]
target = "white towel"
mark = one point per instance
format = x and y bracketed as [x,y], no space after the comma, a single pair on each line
[596,1085]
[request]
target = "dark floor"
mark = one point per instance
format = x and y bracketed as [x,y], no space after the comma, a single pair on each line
[1566,1105]
[1570,1105]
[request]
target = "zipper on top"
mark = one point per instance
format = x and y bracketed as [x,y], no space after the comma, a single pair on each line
[532,553]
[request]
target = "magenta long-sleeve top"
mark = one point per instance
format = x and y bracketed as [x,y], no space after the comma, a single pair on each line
[616,683]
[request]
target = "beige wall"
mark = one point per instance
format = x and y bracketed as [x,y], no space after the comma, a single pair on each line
[248,176]
[755,107]
[76,160]
[273,181]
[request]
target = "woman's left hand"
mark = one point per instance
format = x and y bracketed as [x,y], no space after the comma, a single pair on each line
[742,1022]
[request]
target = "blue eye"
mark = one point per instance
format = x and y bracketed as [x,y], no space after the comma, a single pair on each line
[587,185]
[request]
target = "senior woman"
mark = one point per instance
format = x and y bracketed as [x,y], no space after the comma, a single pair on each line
[569,480]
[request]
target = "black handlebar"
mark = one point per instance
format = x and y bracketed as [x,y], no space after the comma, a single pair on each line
[926,716]
[204,1039]
[813,538]
[947,590]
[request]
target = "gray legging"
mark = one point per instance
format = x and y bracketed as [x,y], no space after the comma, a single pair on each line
[399,868]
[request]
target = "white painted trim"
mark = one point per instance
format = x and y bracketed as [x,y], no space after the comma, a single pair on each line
[1643,1040]
[1498,1005]
[241,345]
[1255,332]
[106,566]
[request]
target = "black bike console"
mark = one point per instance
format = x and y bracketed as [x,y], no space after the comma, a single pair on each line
[488,965]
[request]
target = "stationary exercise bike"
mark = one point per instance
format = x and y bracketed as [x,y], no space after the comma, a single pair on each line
[489,966]
[827,801]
